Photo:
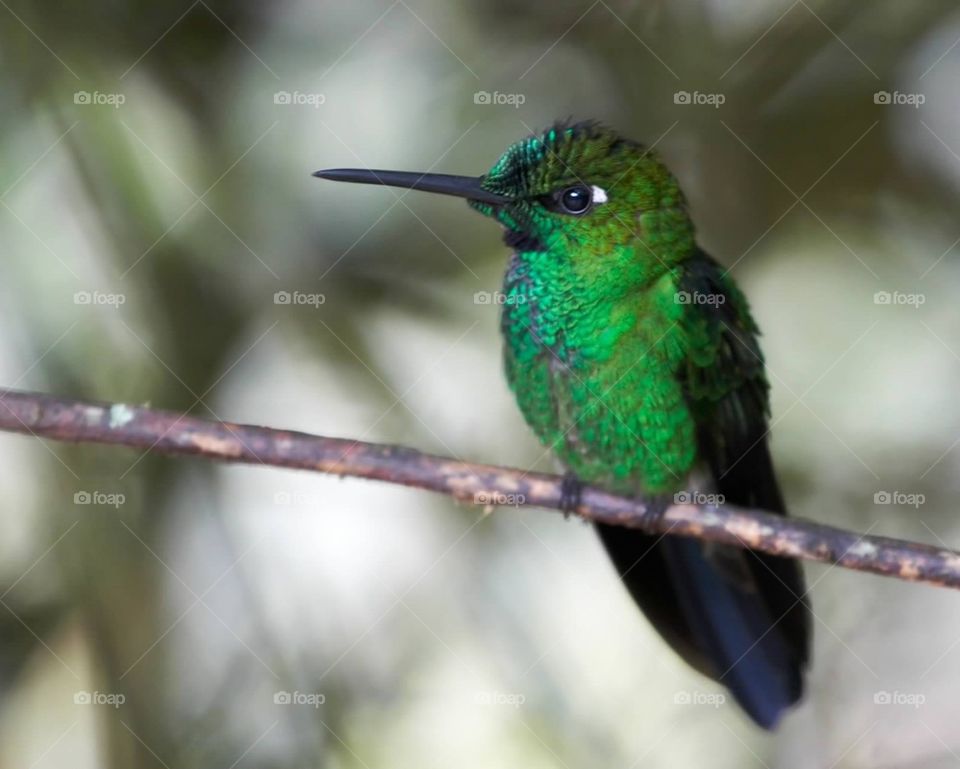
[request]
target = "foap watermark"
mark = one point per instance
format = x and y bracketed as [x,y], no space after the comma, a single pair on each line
[497,297]
[295,499]
[496,98]
[100,499]
[899,298]
[896,98]
[313,699]
[299,99]
[695,697]
[699,298]
[100,298]
[99,99]
[902,498]
[697,498]
[513,699]
[907,699]
[299,298]
[113,699]
[495,498]
[699,99]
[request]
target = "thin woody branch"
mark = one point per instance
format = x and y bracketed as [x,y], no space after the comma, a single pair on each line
[65,419]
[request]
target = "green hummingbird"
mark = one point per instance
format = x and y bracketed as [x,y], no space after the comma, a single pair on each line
[634,357]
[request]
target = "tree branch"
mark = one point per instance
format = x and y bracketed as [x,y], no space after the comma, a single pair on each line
[64,419]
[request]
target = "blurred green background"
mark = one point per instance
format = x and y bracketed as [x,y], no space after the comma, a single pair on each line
[155,196]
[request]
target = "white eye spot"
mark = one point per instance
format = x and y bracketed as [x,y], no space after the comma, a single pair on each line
[599,194]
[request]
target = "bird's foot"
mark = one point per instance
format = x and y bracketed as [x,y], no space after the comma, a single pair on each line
[570,491]
[655,505]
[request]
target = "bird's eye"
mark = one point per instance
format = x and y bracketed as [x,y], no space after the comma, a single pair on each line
[576,199]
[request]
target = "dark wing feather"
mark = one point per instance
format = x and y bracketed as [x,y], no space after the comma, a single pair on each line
[732,418]
[736,615]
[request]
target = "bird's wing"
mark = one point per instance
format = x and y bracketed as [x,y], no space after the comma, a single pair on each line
[727,390]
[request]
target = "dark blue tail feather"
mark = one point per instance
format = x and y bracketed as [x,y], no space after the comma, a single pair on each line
[735,631]
[734,615]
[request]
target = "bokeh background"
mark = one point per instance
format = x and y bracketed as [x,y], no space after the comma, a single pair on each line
[155,196]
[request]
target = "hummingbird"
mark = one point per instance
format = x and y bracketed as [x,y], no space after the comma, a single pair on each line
[634,358]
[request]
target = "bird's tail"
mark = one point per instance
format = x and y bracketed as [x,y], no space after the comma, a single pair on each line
[730,613]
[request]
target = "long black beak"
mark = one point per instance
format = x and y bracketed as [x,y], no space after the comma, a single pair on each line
[446,184]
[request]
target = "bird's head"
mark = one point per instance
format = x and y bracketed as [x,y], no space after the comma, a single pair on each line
[579,191]
[585,190]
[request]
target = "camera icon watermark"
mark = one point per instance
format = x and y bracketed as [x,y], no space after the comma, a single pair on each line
[299,99]
[699,298]
[899,298]
[98,99]
[698,98]
[112,699]
[710,699]
[99,298]
[907,699]
[496,499]
[896,98]
[296,499]
[497,297]
[313,699]
[512,699]
[698,498]
[100,499]
[901,498]
[496,98]
[299,298]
